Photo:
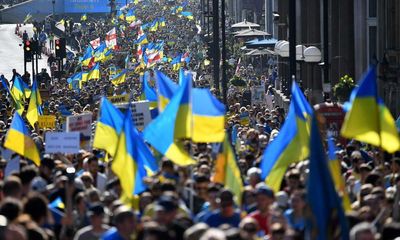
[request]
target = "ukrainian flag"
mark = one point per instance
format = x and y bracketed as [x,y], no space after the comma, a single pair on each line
[130,16]
[142,40]
[208,117]
[120,15]
[176,62]
[120,78]
[34,108]
[149,94]
[19,140]
[131,157]
[162,22]
[20,90]
[327,219]
[75,81]
[19,104]
[292,142]
[57,203]
[87,56]
[84,17]
[227,171]
[368,119]
[154,26]
[171,125]
[94,73]
[166,89]
[107,55]
[99,53]
[108,127]
[188,15]
[335,169]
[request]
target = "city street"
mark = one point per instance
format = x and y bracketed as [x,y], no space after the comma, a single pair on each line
[11,54]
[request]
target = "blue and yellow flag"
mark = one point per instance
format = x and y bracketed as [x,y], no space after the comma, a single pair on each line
[108,127]
[162,22]
[120,15]
[131,157]
[188,15]
[142,40]
[227,171]
[20,89]
[19,140]
[208,117]
[130,16]
[84,17]
[292,142]
[327,219]
[335,169]
[94,72]
[173,123]
[57,203]
[166,89]
[119,78]
[368,119]
[18,104]
[75,81]
[35,105]
[176,63]
[154,26]
[99,53]
[87,56]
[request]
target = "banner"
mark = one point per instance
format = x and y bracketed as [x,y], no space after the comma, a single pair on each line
[89,6]
[47,121]
[62,142]
[258,95]
[119,98]
[83,124]
[140,113]
[111,38]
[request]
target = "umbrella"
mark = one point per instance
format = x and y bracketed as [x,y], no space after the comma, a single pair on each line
[245,24]
[258,52]
[252,33]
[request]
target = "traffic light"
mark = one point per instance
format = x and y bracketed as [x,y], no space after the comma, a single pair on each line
[28,53]
[60,48]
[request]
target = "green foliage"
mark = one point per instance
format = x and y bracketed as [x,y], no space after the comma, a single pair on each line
[343,88]
[237,81]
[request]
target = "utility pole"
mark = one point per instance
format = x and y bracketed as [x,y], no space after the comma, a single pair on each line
[325,47]
[216,50]
[292,45]
[224,77]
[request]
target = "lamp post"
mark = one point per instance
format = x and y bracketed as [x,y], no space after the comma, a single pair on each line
[216,51]
[54,3]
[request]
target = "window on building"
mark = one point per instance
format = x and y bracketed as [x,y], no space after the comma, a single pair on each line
[372,8]
[372,43]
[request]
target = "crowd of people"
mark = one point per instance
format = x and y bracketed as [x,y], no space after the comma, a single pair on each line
[52,202]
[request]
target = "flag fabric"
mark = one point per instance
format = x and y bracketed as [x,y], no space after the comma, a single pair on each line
[149,94]
[28,17]
[154,26]
[20,89]
[57,203]
[18,104]
[166,89]
[87,57]
[94,73]
[188,15]
[61,25]
[130,16]
[19,140]
[172,124]
[292,143]
[111,38]
[119,78]
[131,156]
[208,117]
[34,108]
[75,81]
[227,171]
[327,219]
[95,43]
[142,40]
[176,62]
[84,17]
[162,22]
[99,52]
[368,119]
[336,173]
[108,127]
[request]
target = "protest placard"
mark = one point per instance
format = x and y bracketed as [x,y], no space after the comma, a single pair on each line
[47,121]
[83,124]
[140,113]
[62,142]
[258,95]
[119,98]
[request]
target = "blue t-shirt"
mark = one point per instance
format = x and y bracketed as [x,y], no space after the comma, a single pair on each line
[215,219]
[297,224]
[112,234]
